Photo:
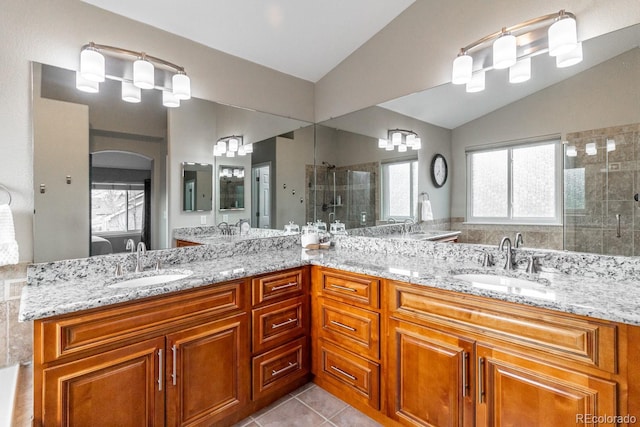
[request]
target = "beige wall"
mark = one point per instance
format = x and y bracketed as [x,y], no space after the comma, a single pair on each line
[415,51]
[52,32]
[603,96]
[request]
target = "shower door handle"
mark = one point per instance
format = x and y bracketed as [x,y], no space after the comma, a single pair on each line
[618,225]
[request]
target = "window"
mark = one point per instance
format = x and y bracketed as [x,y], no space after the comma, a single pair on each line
[400,189]
[117,209]
[515,183]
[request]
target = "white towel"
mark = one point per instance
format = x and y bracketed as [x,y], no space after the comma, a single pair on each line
[8,245]
[426,214]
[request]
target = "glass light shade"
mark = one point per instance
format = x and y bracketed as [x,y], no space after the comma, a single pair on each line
[181,86]
[591,149]
[477,82]
[226,172]
[570,58]
[396,138]
[143,75]
[389,146]
[236,172]
[611,145]
[504,51]
[216,152]
[410,140]
[520,71]
[402,148]
[231,153]
[222,147]
[248,148]
[86,85]
[169,99]
[241,151]
[233,144]
[572,151]
[417,144]
[382,143]
[92,65]
[563,36]
[130,93]
[462,69]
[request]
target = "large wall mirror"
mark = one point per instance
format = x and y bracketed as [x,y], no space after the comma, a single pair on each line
[106,171]
[589,103]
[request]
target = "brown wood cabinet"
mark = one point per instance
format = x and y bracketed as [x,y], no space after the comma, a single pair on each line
[182,243]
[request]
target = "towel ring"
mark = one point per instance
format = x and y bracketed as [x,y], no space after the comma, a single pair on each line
[8,193]
[424,193]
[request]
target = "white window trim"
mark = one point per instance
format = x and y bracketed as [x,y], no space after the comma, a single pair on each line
[384,205]
[557,220]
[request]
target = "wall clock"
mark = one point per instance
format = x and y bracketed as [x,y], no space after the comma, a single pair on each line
[439,170]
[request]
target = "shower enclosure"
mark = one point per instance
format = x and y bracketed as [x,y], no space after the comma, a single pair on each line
[347,194]
[601,186]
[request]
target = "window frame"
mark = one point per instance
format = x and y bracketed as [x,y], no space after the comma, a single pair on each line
[510,146]
[385,197]
[119,187]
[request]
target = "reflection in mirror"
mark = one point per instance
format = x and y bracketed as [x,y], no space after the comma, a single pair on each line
[70,125]
[231,187]
[590,102]
[197,180]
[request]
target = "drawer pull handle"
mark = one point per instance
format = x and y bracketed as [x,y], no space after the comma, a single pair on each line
[351,377]
[288,285]
[174,374]
[279,371]
[481,380]
[342,325]
[465,384]
[286,322]
[160,369]
[343,288]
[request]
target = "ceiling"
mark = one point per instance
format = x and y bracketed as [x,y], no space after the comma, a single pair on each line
[302,38]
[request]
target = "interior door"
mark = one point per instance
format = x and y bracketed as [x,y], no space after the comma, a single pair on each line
[262,195]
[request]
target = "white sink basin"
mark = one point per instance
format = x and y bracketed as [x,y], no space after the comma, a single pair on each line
[163,276]
[510,285]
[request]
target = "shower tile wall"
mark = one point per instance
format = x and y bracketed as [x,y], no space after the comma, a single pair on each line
[599,187]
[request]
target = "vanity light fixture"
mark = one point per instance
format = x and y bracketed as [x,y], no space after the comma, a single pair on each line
[572,151]
[140,75]
[591,149]
[611,145]
[232,145]
[513,47]
[401,139]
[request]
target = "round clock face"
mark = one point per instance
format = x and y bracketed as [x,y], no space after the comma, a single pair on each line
[439,170]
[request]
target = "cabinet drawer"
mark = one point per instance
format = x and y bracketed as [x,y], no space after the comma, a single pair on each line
[273,287]
[72,334]
[353,328]
[567,337]
[350,288]
[281,366]
[278,323]
[359,378]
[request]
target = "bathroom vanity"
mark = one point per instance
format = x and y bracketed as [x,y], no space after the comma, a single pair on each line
[402,338]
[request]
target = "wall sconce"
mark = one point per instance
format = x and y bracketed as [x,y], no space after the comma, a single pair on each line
[591,149]
[572,151]
[143,75]
[513,47]
[611,145]
[232,145]
[401,139]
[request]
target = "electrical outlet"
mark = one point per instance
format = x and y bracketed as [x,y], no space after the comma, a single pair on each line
[203,220]
[225,218]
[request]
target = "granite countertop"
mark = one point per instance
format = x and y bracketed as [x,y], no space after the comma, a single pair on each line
[598,297]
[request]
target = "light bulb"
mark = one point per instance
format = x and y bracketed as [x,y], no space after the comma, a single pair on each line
[222,147]
[242,151]
[504,51]
[417,144]
[402,148]
[86,85]
[130,93]
[410,140]
[611,145]
[231,153]
[181,86]
[520,71]
[92,65]
[462,69]
[143,74]
[563,36]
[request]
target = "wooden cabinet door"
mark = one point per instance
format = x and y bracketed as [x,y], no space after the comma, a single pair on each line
[123,387]
[429,377]
[207,375]
[517,391]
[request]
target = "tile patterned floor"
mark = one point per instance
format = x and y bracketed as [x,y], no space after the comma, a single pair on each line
[308,406]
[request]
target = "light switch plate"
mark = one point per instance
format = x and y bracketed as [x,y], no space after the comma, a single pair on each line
[225,218]
[203,220]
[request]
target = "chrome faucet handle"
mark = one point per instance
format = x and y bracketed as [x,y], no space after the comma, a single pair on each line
[487,259]
[130,245]
[533,263]
[519,240]
[141,250]
[158,264]
[119,271]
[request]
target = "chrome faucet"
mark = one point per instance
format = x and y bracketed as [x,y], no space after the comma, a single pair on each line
[141,250]
[406,225]
[518,241]
[509,263]
[334,217]
[224,228]
[130,246]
